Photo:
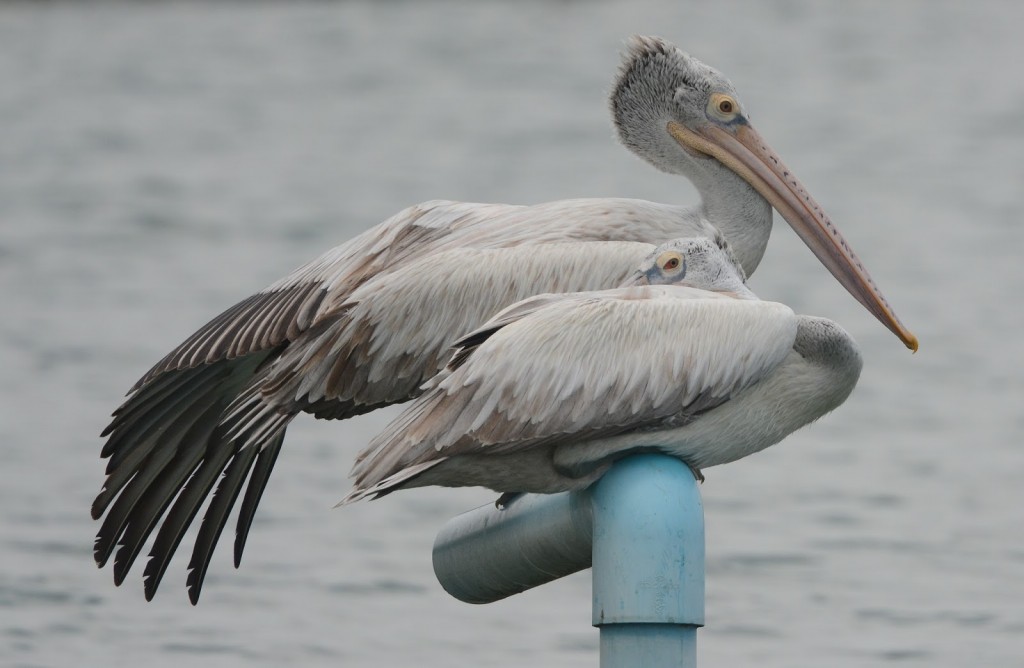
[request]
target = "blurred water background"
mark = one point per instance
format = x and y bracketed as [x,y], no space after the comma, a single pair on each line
[159,161]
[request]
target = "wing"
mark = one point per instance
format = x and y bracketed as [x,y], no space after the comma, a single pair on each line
[202,409]
[584,364]
[197,413]
[399,328]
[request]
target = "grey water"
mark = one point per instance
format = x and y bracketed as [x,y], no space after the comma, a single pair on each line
[159,161]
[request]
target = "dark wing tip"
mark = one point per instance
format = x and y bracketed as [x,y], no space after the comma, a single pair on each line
[100,553]
[261,471]
[121,566]
[99,504]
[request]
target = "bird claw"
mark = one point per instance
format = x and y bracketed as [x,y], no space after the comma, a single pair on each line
[697,474]
[506,499]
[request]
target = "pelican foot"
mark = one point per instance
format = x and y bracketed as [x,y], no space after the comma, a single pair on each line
[506,499]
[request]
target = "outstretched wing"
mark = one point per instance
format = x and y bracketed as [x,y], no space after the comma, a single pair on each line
[203,410]
[197,413]
[559,368]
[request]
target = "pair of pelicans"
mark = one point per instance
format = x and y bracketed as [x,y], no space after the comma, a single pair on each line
[590,359]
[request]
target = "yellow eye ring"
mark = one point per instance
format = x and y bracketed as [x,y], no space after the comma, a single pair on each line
[670,261]
[723,107]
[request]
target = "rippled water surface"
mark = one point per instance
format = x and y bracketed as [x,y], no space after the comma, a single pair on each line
[160,161]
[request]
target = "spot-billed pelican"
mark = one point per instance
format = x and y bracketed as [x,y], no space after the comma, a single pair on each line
[550,392]
[366,323]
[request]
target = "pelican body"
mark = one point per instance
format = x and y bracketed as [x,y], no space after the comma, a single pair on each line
[549,393]
[365,324]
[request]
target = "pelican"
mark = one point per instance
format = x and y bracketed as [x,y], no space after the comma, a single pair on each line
[551,391]
[366,323]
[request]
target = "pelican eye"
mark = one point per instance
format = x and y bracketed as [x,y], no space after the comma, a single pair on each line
[723,107]
[670,261]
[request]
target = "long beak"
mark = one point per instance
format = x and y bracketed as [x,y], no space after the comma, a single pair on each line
[638,277]
[747,154]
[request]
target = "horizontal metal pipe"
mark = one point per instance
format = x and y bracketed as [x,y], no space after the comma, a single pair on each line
[488,554]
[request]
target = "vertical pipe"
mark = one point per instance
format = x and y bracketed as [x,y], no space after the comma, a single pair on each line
[648,563]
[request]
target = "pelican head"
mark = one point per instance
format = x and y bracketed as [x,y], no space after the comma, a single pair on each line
[698,262]
[659,85]
[685,118]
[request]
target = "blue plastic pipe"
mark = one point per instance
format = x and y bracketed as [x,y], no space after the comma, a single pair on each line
[488,554]
[642,529]
[648,561]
